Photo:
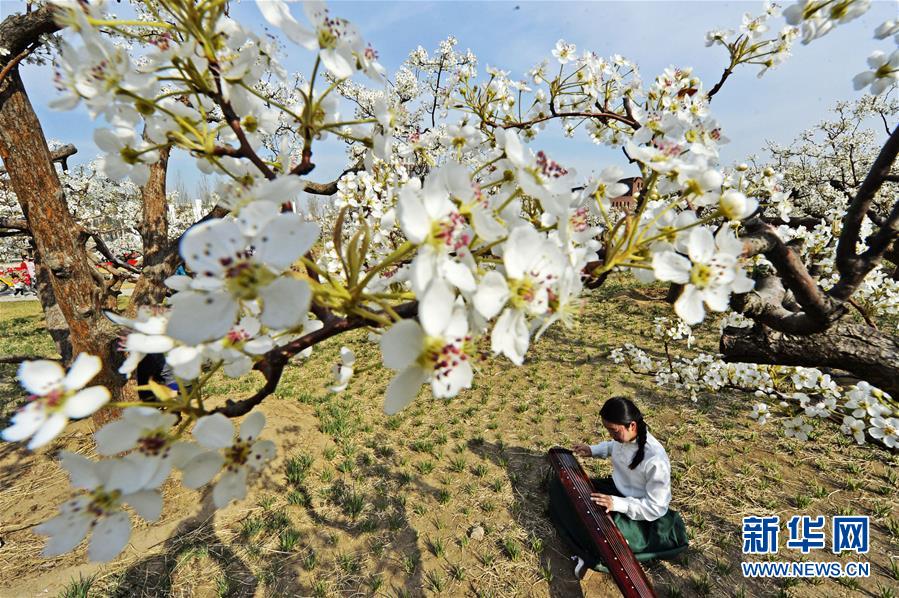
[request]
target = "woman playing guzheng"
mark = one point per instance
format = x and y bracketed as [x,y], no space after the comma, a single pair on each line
[636,495]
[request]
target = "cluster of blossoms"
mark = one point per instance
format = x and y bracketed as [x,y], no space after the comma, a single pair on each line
[153,447]
[461,221]
[799,395]
[110,208]
[750,44]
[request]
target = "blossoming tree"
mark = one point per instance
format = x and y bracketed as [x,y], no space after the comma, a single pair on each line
[447,232]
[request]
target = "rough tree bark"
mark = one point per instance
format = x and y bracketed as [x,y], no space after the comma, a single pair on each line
[154,231]
[24,151]
[856,348]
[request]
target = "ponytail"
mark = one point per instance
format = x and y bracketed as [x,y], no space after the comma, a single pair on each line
[621,410]
[641,443]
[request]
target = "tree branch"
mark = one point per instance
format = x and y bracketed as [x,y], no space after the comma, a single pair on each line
[853,268]
[272,364]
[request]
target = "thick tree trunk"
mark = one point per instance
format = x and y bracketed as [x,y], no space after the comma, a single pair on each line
[27,159]
[861,350]
[56,321]
[154,232]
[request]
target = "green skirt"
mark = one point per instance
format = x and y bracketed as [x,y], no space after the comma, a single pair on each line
[663,538]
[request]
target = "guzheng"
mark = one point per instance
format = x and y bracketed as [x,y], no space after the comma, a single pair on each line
[611,545]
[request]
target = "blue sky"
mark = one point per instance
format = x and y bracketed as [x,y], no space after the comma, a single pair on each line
[516,35]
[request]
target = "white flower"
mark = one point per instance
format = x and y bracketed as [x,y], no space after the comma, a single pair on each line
[886,430]
[854,427]
[429,217]
[760,412]
[232,267]
[343,370]
[736,206]
[797,428]
[335,38]
[56,397]
[564,51]
[148,336]
[148,432]
[437,350]
[240,453]
[124,155]
[533,266]
[109,484]
[884,72]
[710,274]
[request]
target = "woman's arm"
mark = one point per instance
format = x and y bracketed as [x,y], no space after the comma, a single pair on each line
[603,449]
[658,494]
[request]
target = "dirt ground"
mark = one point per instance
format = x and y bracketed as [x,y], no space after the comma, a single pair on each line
[360,504]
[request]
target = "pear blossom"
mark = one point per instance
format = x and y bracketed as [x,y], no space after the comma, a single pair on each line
[147,335]
[710,274]
[533,265]
[564,52]
[760,412]
[108,485]
[232,454]
[886,430]
[736,206]
[429,217]
[125,156]
[436,349]
[797,428]
[883,74]
[56,397]
[339,43]
[242,261]
[343,370]
[854,427]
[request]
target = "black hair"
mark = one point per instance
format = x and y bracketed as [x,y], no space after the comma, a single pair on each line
[621,410]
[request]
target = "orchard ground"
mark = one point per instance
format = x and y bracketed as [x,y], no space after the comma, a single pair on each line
[358,503]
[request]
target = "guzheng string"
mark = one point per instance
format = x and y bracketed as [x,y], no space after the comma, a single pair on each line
[613,538]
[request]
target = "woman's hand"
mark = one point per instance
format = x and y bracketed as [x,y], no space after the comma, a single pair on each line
[582,450]
[603,500]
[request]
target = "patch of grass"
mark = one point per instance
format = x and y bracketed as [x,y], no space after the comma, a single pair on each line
[287,539]
[512,548]
[435,582]
[78,588]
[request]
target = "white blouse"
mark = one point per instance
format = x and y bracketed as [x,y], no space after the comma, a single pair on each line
[647,487]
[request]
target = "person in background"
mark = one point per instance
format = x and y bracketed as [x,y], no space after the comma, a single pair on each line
[636,495]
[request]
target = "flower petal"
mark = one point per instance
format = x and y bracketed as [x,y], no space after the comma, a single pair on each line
[285,302]
[82,371]
[403,389]
[49,430]
[402,344]
[284,240]
[25,422]
[86,401]
[41,376]
[200,470]
[671,266]
[147,503]
[65,531]
[689,305]
[278,14]
[252,426]
[199,317]
[83,472]
[110,537]
[261,452]
[115,437]
[436,307]
[492,294]
[214,431]
[231,486]
[701,245]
